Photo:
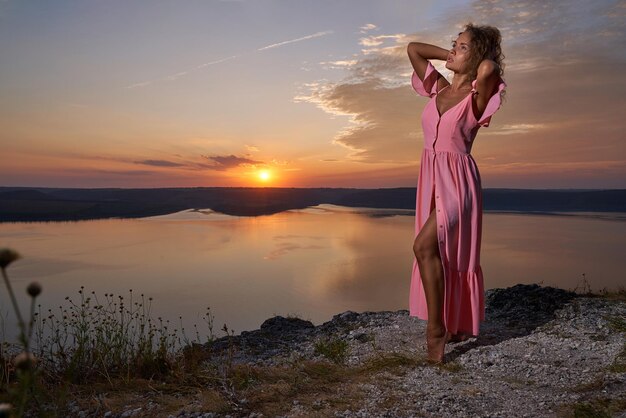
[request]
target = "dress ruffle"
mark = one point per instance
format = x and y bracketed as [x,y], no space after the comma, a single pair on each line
[464,301]
[492,106]
[428,87]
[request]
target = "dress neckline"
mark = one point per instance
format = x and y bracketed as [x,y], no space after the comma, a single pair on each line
[462,100]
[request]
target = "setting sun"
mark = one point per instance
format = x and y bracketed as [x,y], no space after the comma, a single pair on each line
[264,175]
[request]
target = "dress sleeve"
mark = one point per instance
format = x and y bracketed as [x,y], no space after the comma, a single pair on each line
[494,103]
[428,87]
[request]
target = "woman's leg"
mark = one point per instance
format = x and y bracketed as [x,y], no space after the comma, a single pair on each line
[426,251]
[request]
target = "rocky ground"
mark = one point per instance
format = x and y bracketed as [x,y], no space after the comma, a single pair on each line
[542,352]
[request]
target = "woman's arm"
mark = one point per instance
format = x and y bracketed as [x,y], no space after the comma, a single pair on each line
[420,52]
[487,80]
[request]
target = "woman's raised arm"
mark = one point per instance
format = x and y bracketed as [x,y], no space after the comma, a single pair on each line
[419,52]
[487,80]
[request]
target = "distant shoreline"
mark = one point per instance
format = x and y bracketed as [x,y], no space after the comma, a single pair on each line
[18,204]
[608,216]
[604,216]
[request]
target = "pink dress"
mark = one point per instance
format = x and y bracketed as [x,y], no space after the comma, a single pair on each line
[449,175]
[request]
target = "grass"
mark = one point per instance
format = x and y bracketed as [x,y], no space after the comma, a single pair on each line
[391,362]
[598,408]
[594,385]
[583,288]
[117,337]
[619,365]
[452,367]
[588,410]
[335,349]
[616,323]
[613,295]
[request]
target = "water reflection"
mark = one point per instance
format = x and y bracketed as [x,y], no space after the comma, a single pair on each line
[313,263]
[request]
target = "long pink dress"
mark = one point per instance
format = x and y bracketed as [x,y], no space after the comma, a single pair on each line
[449,174]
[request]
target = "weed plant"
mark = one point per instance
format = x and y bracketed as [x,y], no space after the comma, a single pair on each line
[334,349]
[115,337]
[89,340]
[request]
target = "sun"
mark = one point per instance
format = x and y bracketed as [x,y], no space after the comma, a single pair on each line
[264,175]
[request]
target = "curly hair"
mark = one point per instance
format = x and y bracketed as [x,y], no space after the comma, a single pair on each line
[485,45]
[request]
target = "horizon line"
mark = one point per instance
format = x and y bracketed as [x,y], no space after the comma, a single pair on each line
[273,187]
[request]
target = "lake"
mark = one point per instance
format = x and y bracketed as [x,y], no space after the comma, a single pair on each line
[313,263]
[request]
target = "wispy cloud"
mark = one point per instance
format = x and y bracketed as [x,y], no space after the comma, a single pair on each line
[338,64]
[160,163]
[379,40]
[367,27]
[182,73]
[304,38]
[225,162]
[520,128]
[114,172]
[198,67]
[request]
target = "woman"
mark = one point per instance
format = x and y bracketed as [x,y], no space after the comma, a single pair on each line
[447,281]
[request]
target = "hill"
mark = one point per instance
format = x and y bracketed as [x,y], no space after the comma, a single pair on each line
[59,204]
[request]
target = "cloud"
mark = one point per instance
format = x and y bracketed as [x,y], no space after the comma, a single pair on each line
[196,163]
[367,27]
[378,40]
[315,35]
[341,64]
[564,70]
[89,171]
[520,128]
[226,162]
[380,118]
[279,162]
[160,163]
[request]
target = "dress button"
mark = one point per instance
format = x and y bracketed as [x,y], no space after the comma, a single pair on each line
[440,226]
[438,210]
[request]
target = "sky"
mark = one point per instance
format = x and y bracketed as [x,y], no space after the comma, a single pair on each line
[297,93]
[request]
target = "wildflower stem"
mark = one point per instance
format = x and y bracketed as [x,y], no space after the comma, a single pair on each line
[31,322]
[17,310]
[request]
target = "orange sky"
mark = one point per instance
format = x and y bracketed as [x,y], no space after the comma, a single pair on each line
[318,94]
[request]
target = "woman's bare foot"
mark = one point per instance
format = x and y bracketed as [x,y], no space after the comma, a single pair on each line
[436,339]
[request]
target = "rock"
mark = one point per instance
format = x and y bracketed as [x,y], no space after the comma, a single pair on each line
[282,324]
[525,302]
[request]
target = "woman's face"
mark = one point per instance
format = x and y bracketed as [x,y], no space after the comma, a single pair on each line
[459,54]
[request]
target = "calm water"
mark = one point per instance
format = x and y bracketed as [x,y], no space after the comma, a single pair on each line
[313,263]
